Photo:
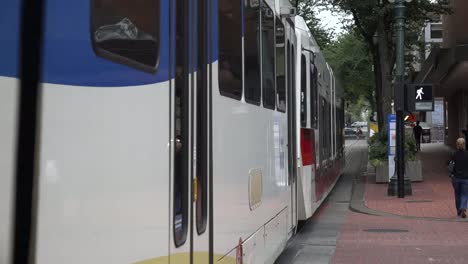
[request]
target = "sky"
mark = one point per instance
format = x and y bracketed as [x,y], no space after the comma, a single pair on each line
[331,21]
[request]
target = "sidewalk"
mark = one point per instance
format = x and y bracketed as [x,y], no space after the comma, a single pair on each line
[367,239]
[432,198]
[421,228]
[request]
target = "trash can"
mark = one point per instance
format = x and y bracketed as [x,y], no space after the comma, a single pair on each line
[426,136]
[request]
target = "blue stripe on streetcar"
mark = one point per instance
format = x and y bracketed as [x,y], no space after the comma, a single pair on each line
[9,37]
[68,56]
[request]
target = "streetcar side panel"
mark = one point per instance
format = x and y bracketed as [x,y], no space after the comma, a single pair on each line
[250,180]
[103,167]
[9,81]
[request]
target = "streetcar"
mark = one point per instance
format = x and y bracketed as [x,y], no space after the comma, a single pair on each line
[157,131]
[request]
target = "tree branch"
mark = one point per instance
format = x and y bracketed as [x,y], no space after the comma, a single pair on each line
[360,27]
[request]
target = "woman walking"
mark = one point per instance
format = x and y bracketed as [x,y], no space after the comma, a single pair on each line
[460,177]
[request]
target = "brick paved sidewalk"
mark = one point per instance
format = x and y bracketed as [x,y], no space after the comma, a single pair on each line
[367,239]
[431,198]
[373,239]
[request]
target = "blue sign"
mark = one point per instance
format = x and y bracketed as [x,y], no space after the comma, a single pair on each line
[391,134]
[391,144]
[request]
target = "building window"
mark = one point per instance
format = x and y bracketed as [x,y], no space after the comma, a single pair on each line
[126,32]
[280,66]
[268,56]
[230,48]
[303,97]
[436,31]
[252,83]
[436,34]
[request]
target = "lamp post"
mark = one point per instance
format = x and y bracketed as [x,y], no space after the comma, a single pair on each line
[401,183]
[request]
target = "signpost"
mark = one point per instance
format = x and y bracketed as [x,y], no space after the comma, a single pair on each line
[419,98]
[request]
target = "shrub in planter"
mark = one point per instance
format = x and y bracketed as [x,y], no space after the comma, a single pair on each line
[378,149]
[410,148]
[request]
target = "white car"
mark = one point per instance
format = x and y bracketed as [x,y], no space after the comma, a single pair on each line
[359,124]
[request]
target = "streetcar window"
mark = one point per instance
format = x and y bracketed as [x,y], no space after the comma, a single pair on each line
[181,133]
[201,173]
[338,129]
[289,66]
[126,32]
[291,115]
[313,96]
[252,83]
[280,66]
[323,129]
[303,91]
[293,68]
[268,56]
[327,130]
[230,48]
[341,127]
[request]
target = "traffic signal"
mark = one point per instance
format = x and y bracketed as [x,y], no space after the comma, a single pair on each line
[410,118]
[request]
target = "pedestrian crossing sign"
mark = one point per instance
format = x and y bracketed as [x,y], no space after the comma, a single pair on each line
[420,98]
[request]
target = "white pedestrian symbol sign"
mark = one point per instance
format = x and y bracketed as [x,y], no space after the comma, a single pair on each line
[420,93]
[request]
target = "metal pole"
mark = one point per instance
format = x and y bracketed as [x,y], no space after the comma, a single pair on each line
[399,95]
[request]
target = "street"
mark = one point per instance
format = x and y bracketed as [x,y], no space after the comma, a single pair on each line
[317,239]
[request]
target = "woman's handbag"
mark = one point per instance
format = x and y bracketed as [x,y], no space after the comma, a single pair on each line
[450,168]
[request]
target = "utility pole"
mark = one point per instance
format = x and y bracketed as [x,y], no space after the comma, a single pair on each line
[402,183]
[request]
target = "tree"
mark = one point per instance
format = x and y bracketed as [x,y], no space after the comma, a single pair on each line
[350,59]
[373,20]
[307,9]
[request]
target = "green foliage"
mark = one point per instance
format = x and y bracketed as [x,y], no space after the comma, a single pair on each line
[378,148]
[374,20]
[357,107]
[349,58]
[410,147]
[368,14]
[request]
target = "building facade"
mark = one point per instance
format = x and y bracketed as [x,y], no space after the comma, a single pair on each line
[447,68]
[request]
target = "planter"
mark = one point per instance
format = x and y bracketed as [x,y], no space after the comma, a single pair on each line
[413,170]
[381,173]
[370,169]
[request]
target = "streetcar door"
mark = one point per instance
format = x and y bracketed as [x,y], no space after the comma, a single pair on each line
[190,134]
[292,119]
[201,117]
[9,116]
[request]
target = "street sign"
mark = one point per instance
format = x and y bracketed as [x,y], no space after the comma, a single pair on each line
[420,98]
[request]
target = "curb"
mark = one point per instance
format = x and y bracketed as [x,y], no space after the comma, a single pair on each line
[357,204]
